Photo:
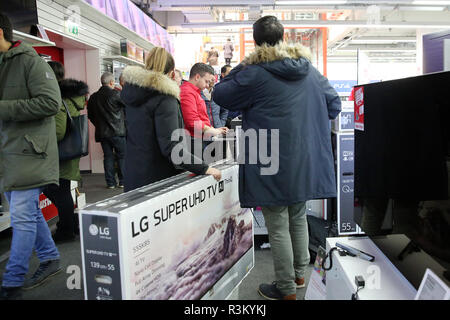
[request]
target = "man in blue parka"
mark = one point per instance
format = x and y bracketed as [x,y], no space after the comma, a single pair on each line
[284,99]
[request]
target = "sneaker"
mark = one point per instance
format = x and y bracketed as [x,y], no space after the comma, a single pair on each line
[110,187]
[120,186]
[46,269]
[300,282]
[11,293]
[271,292]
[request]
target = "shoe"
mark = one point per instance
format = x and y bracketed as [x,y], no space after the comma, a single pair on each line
[11,293]
[300,282]
[271,292]
[46,269]
[120,186]
[110,187]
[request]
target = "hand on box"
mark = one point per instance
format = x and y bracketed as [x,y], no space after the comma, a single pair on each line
[215,173]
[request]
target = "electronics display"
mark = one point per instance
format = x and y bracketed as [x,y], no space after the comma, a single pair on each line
[402,163]
[355,252]
[129,15]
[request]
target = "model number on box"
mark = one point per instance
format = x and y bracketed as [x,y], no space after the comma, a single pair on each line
[140,246]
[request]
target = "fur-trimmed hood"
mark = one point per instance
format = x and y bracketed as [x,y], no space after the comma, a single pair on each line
[71,88]
[149,79]
[290,62]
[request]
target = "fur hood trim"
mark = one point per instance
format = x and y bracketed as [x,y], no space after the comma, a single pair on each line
[265,53]
[141,77]
[71,88]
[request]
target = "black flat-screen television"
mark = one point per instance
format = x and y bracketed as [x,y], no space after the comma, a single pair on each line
[402,166]
[22,13]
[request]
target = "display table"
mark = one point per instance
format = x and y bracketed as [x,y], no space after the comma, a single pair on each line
[382,279]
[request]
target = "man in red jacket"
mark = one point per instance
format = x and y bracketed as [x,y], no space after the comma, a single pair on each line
[193,107]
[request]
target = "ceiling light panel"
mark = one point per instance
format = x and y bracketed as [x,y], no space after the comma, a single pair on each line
[307,2]
[431,3]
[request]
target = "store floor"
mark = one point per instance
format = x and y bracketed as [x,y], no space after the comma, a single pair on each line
[57,287]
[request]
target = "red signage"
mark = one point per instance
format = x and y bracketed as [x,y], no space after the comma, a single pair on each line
[359,108]
[47,207]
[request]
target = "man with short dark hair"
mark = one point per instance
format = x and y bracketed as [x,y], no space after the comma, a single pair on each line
[218,117]
[193,106]
[280,92]
[106,112]
[29,99]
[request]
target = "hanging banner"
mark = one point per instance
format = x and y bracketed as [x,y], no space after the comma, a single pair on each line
[183,238]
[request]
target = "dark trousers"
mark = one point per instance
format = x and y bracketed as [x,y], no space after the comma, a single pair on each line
[227,60]
[113,149]
[62,199]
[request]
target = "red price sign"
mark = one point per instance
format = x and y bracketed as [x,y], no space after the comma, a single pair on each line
[359,108]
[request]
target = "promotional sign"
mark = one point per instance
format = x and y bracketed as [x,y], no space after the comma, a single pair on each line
[182,238]
[49,211]
[128,49]
[345,120]
[432,288]
[345,183]
[343,87]
[317,289]
[359,108]
[139,56]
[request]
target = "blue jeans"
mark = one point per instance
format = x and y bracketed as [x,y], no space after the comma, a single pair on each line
[113,148]
[30,230]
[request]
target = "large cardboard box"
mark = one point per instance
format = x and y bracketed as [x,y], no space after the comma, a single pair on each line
[185,237]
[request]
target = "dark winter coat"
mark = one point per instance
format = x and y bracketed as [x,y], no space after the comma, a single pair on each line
[153,112]
[106,112]
[74,94]
[29,99]
[278,88]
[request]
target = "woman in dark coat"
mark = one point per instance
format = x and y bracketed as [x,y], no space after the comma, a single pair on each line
[74,93]
[152,100]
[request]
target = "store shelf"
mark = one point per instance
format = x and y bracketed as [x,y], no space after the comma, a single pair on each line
[124,60]
[32,40]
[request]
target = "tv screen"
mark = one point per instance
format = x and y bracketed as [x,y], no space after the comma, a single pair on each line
[402,162]
[22,13]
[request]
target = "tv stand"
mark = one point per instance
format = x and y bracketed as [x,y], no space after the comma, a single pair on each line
[399,279]
[382,280]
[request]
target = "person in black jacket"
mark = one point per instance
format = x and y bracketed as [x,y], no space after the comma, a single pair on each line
[152,101]
[286,102]
[106,112]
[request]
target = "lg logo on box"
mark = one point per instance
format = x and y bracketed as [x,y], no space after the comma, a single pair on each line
[103,232]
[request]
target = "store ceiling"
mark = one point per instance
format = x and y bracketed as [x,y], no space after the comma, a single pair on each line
[382,27]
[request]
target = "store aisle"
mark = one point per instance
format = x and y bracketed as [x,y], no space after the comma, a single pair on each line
[68,284]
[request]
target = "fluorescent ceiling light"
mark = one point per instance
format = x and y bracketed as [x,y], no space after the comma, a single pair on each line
[380,41]
[307,2]
[421,8]
[431,3]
